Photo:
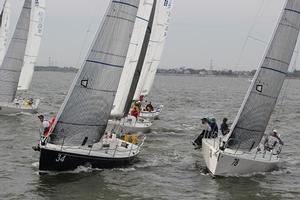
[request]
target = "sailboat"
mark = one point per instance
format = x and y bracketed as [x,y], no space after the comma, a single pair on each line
[239,153]
[78,137]
[4,29]
[36,31]
[133,64]
[153,57]
[148,60]
[10,68]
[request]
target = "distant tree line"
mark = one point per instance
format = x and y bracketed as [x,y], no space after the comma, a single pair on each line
[55,69]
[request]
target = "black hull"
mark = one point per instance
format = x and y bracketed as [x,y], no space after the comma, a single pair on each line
[51,160]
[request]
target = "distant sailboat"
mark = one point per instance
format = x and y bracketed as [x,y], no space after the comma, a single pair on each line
[152,46]
[36,31]
[133,64]
[153,56]
[239,153]
[10,69]
[4,29]
[78,137]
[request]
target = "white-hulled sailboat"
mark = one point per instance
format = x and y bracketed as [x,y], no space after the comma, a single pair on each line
[239,154]
[153,56]
[78,136]
[36,32]
[134,59]
[145,59]
[10,69]
[4,29]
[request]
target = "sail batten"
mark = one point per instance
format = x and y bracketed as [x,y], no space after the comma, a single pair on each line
[255,112]
[86,109]
[13,60]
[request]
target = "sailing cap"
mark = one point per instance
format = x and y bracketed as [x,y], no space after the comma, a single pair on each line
[274,131]
[40,116]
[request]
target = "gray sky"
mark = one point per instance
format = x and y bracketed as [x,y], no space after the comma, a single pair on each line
[200,30]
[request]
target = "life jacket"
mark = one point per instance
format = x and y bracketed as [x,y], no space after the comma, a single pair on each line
[51,122]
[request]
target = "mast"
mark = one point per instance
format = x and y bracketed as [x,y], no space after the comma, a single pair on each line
[134,51]
[140,63]
[36,32]
[255,112]
[86,109]
[11,67]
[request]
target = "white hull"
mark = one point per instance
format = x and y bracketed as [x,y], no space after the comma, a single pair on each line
[151,115]
[131,124]
[232,163]
[18,107]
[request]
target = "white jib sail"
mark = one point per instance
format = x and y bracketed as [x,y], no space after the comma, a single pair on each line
[155,48]
[33,44]
[4,29]
[132,57]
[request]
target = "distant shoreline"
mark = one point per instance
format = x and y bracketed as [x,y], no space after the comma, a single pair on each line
[243,74]
[55,69]
[214,76]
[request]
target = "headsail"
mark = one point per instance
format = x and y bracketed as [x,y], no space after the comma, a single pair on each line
[4,29]
[141,60]
[11,67]
[86,109]
[156,45]
[254,115]
[138,35]
[36,31]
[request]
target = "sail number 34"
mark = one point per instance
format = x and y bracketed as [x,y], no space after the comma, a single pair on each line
[60,158]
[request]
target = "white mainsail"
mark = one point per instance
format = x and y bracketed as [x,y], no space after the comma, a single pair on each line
[87,107]
[132,57]
[4,29]
[13,61]
[36,31]
[255,112]
[155,48]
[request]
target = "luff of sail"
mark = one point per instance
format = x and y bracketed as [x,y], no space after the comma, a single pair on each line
[86,109]
[155,48]
[36,31]
[254,115]
[138,35]
[11,67]
[141,60]
[4,28]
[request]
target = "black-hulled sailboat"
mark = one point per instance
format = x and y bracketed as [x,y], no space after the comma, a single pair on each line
[78,137]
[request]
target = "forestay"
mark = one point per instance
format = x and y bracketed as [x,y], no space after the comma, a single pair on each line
[36,31]
[4,29]
[132,57]
[86,109]
[141,60]
[253,117]
[156,45]
[13,60]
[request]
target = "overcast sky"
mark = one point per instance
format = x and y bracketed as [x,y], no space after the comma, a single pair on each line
[200,30]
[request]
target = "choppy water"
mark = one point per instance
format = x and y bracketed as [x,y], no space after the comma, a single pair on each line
[168,167]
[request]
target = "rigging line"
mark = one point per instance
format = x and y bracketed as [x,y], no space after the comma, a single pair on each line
[258,14]
[88,31]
